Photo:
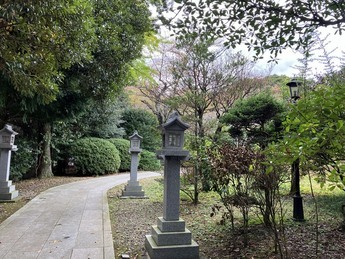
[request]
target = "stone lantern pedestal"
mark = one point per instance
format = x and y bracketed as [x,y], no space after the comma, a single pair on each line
[7,190]
[170,239]
[133,188]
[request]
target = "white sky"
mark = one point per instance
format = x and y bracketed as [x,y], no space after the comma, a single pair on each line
[289,58]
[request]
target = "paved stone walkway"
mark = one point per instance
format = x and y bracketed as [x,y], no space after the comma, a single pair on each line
[69,221]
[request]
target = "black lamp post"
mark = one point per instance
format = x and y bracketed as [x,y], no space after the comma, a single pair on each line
[298,214]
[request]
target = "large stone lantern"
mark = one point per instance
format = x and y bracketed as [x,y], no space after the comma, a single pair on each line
[170,239]
[7,137]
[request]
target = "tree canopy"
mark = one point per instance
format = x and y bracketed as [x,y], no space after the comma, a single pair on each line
[258,118]
[262,25]
[38,39]
[45,46]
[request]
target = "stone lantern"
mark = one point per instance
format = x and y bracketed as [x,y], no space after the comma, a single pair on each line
[7,137]
[170,238]
[133,189]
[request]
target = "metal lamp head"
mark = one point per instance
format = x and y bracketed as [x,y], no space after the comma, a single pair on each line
[294,86]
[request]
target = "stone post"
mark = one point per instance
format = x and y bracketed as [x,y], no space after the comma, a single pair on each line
[7,190]
[170,239]
[133,189]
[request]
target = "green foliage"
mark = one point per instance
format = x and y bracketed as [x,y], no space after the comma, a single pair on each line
[123,146]
[315,133]
[94,156]
[146,124]
[261,25]
[35,38]
[148,161]
[24,159]
[101,118]
[64,59]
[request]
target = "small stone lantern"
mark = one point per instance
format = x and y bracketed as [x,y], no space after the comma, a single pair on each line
[170,238]
[7,137]
[133,188]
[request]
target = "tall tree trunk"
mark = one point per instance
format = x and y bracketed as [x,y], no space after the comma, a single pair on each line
[44,169]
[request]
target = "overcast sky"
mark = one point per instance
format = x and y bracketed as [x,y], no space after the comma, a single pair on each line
[288,59]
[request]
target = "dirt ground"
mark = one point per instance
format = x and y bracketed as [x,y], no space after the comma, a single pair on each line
[132,220]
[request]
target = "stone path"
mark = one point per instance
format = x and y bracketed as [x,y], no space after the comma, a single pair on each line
[69,221]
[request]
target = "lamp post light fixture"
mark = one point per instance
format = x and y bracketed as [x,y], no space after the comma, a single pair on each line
[294,87]
[298,214]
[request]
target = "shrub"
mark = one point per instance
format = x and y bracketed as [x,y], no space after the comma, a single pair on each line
[24,159]
[148,161]
[95,156]
[122,146]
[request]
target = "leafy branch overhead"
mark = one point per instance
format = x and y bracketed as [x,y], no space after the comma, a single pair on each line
[261,25]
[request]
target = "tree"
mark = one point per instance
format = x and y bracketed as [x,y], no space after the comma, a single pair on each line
[35,40]
[198,78]
[258,121]
[119,28]
[261,25]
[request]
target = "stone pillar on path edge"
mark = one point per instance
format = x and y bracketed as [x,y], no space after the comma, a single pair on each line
[170,239]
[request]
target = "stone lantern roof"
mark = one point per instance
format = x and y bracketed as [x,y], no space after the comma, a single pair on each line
[174,122]
[135,135]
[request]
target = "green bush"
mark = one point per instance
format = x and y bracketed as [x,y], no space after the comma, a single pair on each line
[95,156]
[24,159]
[122,146]
[148,161]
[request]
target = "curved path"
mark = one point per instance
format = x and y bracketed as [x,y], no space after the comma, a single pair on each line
[67,221]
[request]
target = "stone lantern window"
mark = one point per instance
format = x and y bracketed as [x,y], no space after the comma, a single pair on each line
[173,132]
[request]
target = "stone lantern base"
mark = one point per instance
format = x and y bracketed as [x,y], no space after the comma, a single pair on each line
[7,191]
[133,189]
[171,240]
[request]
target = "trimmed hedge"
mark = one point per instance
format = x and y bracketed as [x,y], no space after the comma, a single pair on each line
[148,161]
[95,156]
[123,146]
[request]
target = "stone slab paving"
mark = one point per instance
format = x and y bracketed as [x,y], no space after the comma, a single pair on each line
[70,221]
